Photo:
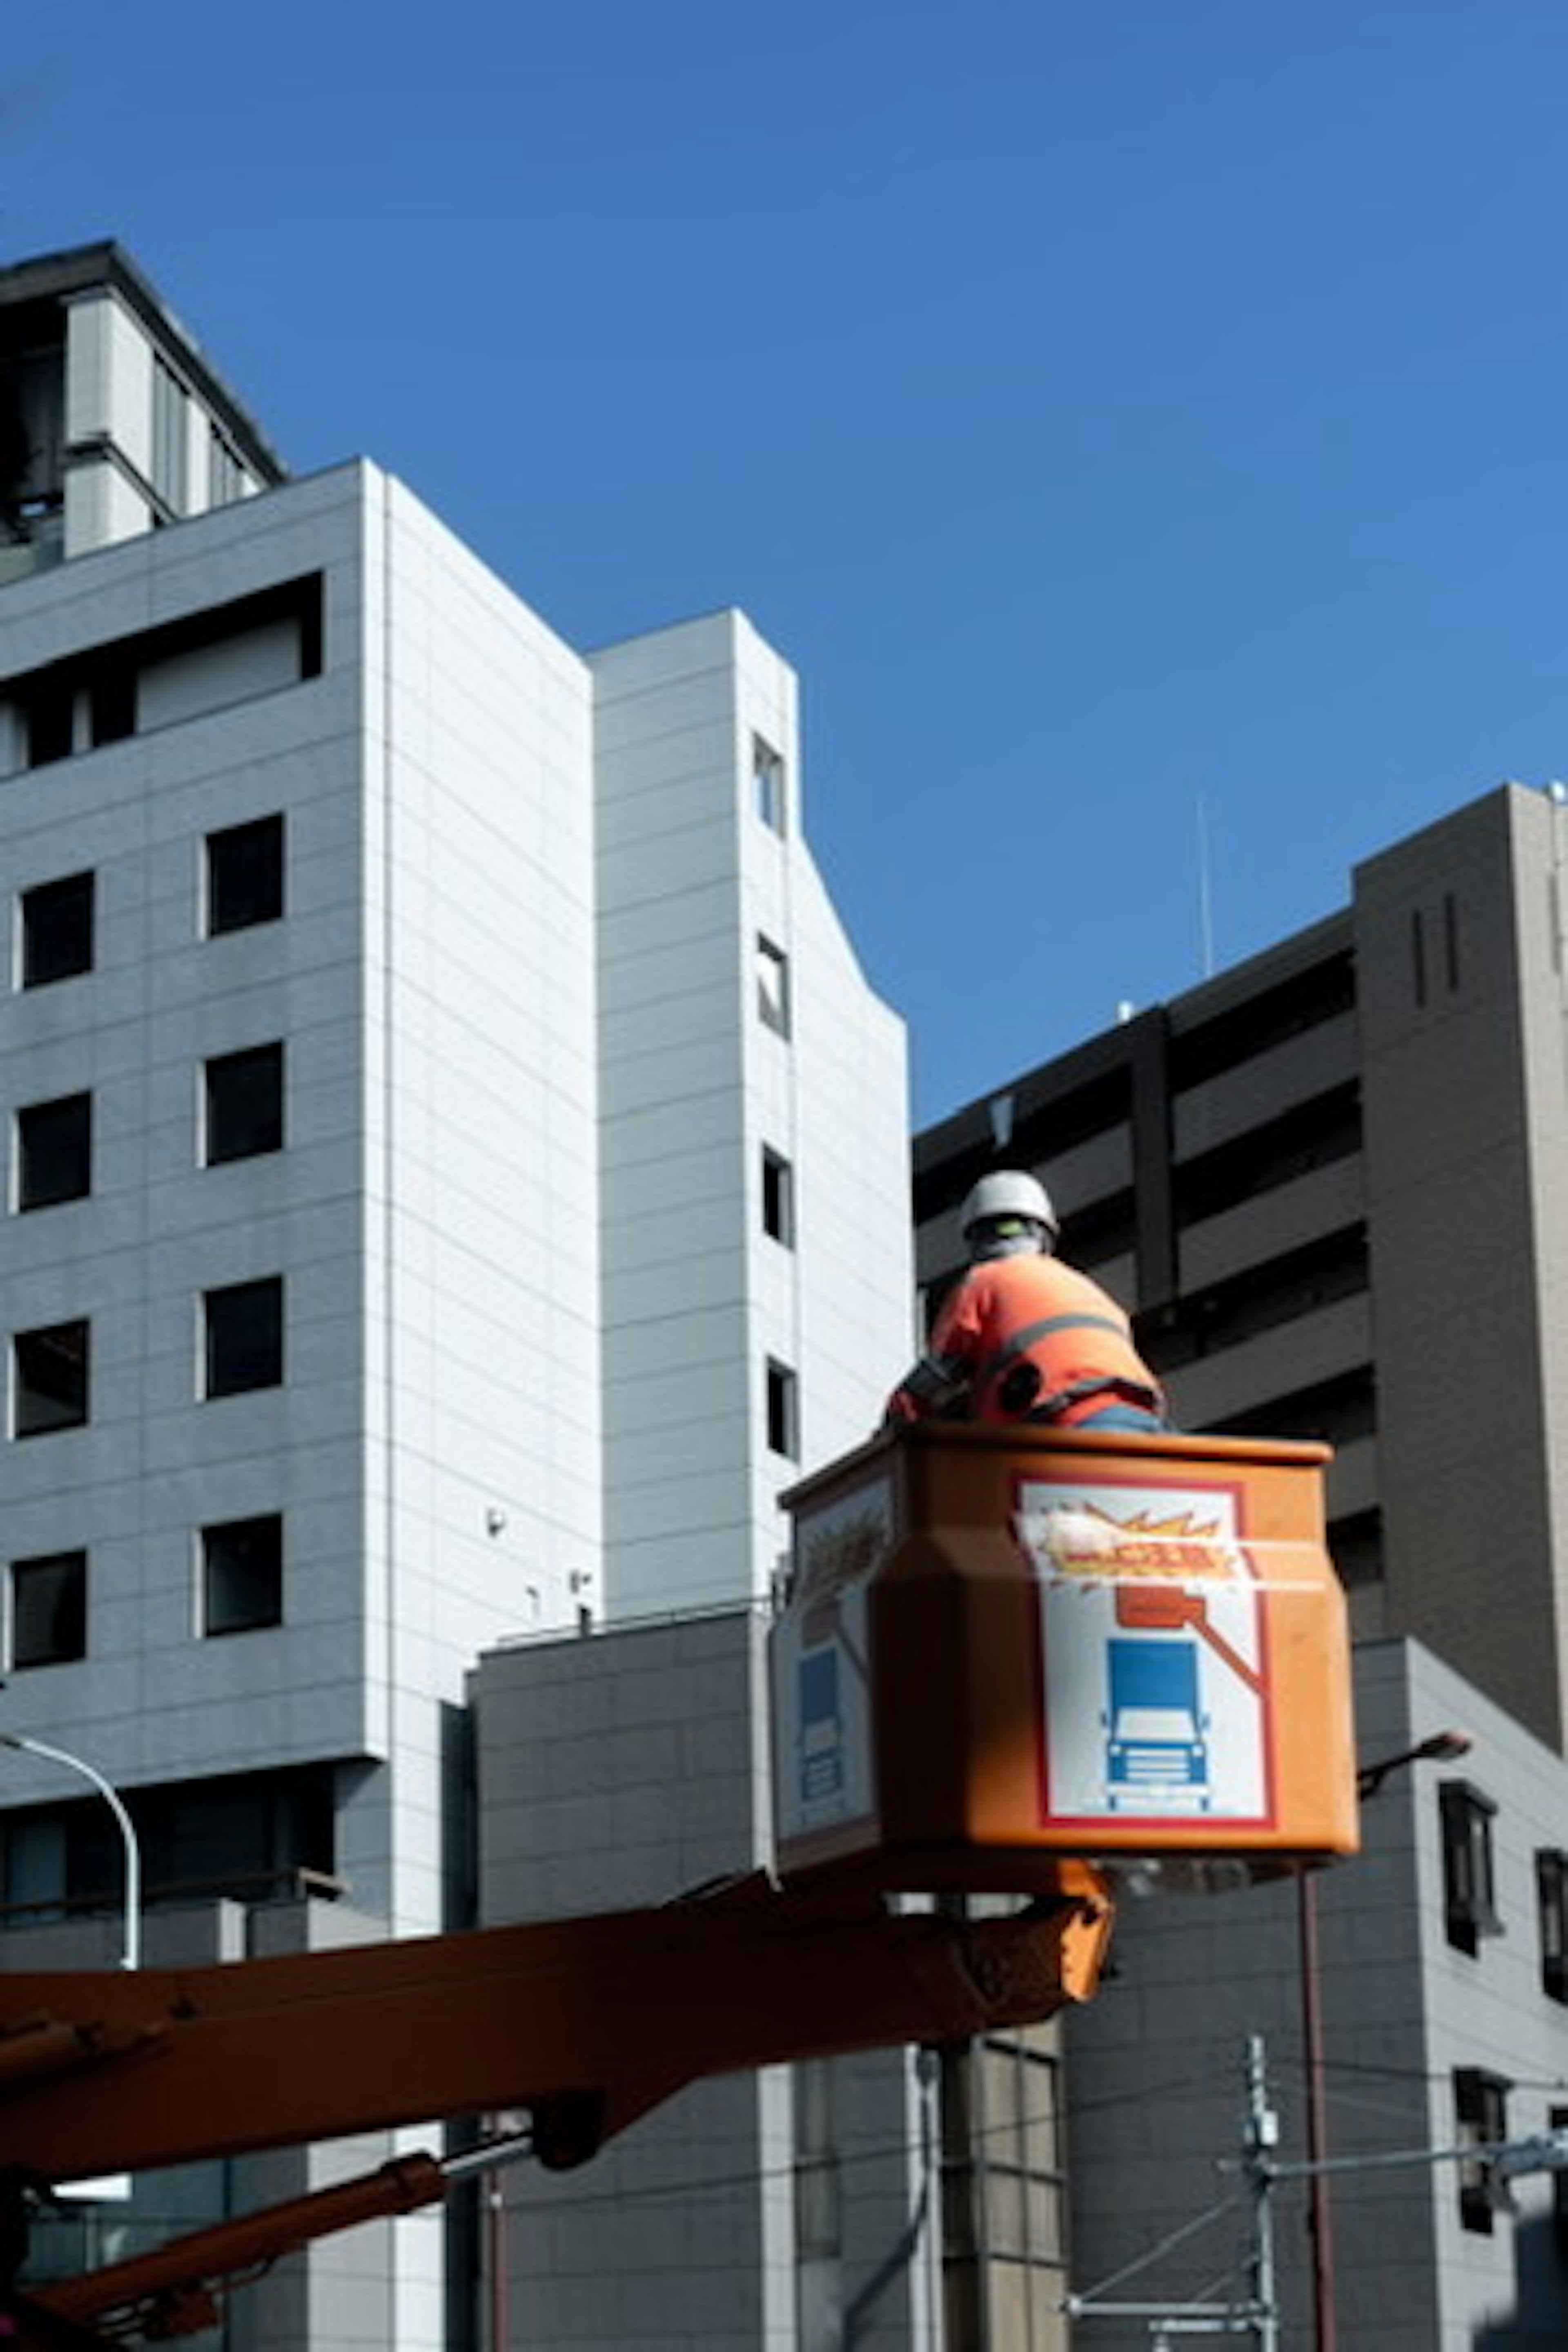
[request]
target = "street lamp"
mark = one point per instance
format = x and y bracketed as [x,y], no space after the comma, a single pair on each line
[131,1947]
[1439,1746]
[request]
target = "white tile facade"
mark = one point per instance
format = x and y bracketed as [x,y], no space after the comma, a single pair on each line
[530,1295]
[697,1087]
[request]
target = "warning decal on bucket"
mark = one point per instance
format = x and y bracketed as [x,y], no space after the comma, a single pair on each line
[1154,1653]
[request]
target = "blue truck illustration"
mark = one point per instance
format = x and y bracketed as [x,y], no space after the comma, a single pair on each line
[1156,1754]
[821,1728]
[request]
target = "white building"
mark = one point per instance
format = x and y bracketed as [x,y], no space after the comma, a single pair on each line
[442,1114]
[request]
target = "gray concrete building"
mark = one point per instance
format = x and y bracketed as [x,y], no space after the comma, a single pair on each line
[1440,1988]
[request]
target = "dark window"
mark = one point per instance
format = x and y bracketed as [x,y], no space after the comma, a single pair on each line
[778,1198]
[48,1609]
[242,1575]
[54,1152]
[1245,1032]
[57,931]
[49,713]
[784,1411]
[1480,2108]
[1309,1135]
[1337,1410]
[768,784]
[244,1104]
[772,986]
[49,1379]
[244,1335]
[225,475]
[1277,1290]
[1552,1905]
[1469,1899]
[169,419]
[1098,1231]
[112,703]
[245,875]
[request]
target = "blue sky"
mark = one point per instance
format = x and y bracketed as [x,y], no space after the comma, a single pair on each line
[1141,422]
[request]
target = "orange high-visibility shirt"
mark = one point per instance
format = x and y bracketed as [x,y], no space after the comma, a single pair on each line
[1034,1310]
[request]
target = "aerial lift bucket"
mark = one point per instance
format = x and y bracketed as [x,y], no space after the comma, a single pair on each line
[1003,1648]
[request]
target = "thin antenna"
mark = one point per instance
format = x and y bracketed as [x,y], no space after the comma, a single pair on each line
[1205,905]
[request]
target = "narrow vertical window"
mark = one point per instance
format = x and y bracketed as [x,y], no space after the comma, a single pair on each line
[772,986]
[784,1411]
[243,1104]
[245,875]
[169,422]
[57,929]
[778,1198]
[1470,1900]
[1551,1912]
[54,1152]
[1418,956]
[111,702]
[768,795]
[1480,2111]
[818,2191]
[49,718]
[225,475]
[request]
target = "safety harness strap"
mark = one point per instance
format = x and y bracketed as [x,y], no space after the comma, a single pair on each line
[1024,1338]
[1134,1391]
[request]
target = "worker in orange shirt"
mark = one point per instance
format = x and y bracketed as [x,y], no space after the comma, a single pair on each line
[1024,1337]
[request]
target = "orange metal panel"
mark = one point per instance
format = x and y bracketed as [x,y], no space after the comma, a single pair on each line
[586,2022]
[1007,1645]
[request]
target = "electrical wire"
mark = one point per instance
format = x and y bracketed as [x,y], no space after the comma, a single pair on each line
[1165,2245]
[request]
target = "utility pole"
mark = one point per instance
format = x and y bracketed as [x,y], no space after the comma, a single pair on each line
[1261,2138]
[1257,2315]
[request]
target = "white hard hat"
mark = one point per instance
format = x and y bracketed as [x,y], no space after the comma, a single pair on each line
[1007,1194]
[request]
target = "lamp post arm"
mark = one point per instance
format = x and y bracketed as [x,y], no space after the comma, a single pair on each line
[131,1950]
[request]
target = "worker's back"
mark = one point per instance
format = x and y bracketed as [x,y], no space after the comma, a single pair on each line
[1039,1338]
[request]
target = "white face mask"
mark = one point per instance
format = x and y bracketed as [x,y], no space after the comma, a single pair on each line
[1014,1237]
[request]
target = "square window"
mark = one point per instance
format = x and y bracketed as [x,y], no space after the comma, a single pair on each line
[48,1379]
[54,1152]
[242,1575]
[244,1336]
[768,785]
[778,1198]
[57,931]
[784,1411]
[48,1609]
[1470,1900]
[245,875]
[772,986]
[244,1104]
